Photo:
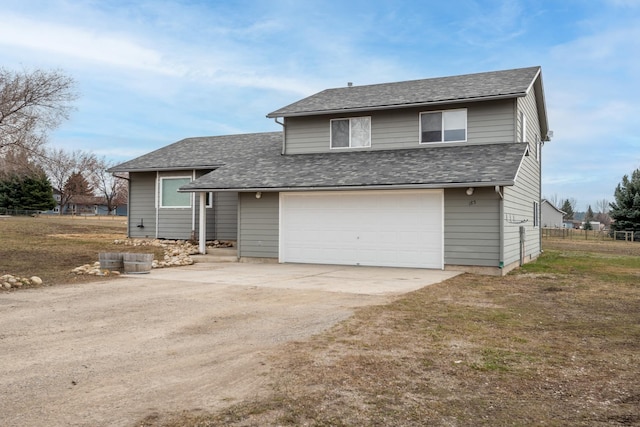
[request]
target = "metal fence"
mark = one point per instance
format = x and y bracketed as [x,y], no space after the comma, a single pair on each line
[571,233]
[18,212]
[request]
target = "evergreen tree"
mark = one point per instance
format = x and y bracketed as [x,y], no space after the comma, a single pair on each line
[32,192]
[77,185]
[567,209]
[626,209]
[37,193]
[589,215]
[9,192]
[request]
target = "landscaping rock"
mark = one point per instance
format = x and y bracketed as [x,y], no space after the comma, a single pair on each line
[9,281]
[176,253]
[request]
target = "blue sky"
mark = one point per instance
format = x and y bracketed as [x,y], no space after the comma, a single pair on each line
[152,72]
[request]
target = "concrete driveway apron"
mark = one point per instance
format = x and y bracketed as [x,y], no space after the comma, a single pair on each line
[329,278]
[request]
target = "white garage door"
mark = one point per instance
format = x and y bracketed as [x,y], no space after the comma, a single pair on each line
[378,228]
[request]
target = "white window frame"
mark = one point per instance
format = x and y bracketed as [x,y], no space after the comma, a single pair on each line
[444,112]
[209,199]
[368,145]
[523,127]
[536,214]
[161,190]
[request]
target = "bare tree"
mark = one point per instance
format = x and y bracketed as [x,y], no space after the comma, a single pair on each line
[554,200]
[17,162]
[61,165]
[602,206]
[113,188]
[31,105]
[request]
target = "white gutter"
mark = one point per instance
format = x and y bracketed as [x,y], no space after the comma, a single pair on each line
[202,231]
[357,187]
[193,206]
[397,106]
[157,201]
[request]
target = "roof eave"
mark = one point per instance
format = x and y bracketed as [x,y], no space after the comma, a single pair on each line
[164,169]
[506,183]
[541,105]
[275,114]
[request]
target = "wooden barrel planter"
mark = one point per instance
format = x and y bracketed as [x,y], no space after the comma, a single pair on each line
[112,261]
[137,263]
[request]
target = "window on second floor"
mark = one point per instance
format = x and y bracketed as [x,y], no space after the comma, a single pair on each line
[352,132]
[522,136]
[443,126]
[169,195]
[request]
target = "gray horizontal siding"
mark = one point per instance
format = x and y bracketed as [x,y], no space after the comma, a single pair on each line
[178,223]
[518,201]
[142,210]
[487,122]
[226,215]
[258,230]
[471,227]
[175,223]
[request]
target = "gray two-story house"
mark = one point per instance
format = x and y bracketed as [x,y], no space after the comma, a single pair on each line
[439,173]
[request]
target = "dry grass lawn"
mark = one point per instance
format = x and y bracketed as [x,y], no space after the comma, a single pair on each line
[556,343]
[51,246]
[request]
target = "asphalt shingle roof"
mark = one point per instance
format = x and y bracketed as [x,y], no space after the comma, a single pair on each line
[199,153]
[495,84]
[259,165]
[253,161]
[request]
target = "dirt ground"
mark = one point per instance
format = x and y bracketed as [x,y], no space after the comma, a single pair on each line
[96,354]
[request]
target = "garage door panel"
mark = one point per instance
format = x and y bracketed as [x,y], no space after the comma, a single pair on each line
[386,228]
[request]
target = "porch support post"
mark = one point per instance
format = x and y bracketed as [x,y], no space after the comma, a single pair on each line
[202,230]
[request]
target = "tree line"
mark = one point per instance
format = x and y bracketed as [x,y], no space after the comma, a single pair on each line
[32,105]
[621,215]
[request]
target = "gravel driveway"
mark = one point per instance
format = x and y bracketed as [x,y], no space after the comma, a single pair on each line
[110,353]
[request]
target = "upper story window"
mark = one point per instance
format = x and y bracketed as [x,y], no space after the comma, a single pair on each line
[443,126]
[353,132]
[522,136]
[169,195]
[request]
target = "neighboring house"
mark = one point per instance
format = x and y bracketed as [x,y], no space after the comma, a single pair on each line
[439,173]
[84,205]
[550,215]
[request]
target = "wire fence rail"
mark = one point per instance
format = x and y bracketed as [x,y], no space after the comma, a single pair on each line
[571,233]
[34,213]
[19,212]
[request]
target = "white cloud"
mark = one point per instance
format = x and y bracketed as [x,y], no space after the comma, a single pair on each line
[109,49]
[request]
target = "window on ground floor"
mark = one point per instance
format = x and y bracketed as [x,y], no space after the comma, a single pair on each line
[169,195]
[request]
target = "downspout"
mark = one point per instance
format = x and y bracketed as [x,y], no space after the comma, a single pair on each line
[202,230]
[128,208]
[501,227]
[193,208]
[284,136]
[157,200]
